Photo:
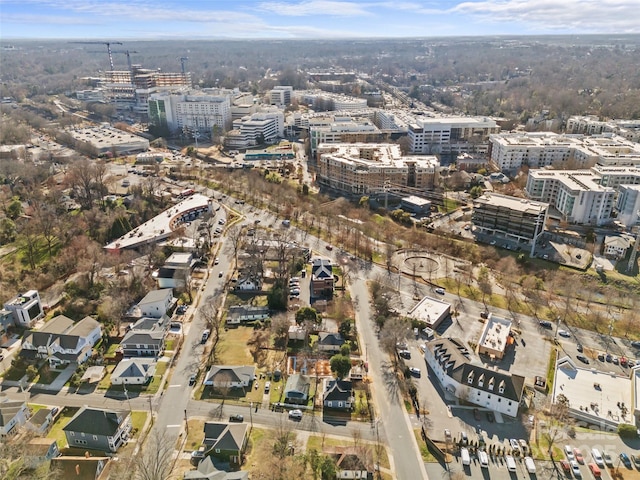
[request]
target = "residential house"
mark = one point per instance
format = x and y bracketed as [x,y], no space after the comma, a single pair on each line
[133,371]
[207,471]
[246,313]
[98,429]
[156,303]
[616,247]
[297,332]
[40,450]
[26,308]
[176,271]
[146,338]
[296,390]
[222,376]
[13,414]
[82,468]
[226,441]
[330,342]
[249,284]
[40,421]
[62,341]
[350,463]
[322,278]
[338,394]
[357,372]
[6,324]
[451,363]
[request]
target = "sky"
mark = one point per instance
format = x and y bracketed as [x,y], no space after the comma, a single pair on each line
[311,19]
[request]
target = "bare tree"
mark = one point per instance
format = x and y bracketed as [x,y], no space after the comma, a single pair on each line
[154,462]
[209,311]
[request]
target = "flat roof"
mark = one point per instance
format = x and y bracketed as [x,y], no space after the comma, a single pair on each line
[430,310]
[512,203]
[577,384]
[160,226]
[495,333]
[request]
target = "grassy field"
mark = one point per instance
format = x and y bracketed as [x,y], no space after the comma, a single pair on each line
[194,438]
[233,347]
[424,451]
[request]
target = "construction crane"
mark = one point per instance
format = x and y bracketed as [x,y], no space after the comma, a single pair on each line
[108,44]
[127,53]
[183,60]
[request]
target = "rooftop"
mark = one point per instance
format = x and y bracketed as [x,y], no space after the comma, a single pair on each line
[512,203]
[430,310]
[495,333]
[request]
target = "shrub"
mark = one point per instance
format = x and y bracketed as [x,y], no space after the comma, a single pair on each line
[627,431]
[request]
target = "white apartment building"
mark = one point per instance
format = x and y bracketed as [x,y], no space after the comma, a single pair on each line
[343,130]
[591,125]
[261,127]
[395,121]
[362,168]
[199,111]
[610,151]
[628,205]
[433,135]
[280,95]
[326,101]
[576,194]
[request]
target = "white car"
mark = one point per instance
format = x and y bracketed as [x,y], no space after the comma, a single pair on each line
[439,291]
[568,451]
[414,371]
[564,333]
[575,468]
[216,261]
[295,414]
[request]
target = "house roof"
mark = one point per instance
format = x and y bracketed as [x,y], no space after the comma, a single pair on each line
[40,417]
[171,272]
[61,331]
[96,421]
[150,323]
[79,468]
[207,471]
[244,373]
[8,410]
[225,436]
[321,268]
[340,390]
[297,385]
[134,368]
[450,355]
[39,445]
[144,337]
[617,242]
[242,310]
[350,459]
[156,296]
[330,338]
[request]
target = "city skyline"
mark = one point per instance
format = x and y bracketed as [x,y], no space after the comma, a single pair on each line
[311,19]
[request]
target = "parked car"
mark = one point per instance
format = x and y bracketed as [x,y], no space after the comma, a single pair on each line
[624,458]
[491,417]
[464,440]
[583,359]
[608,459]
[564,333]
[636,461]
[566,468]
[476,414]
[267,387]
[216,261]
[568,451]
[414,371]
[595,470]
[329,247]
[405,354]
[545,324]
[295,414]
[635,344]
[575,468]
[447,435]
[578,454]
[236,418]
[192,380]
[439,291]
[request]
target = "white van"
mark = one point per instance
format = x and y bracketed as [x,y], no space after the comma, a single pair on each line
[511,463]
[466,458]
[597,457]
[529,463]
[483,458]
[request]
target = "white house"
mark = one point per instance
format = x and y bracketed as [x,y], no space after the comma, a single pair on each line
[62,341]
[176,271]
[616,247]
[13,414]
[222,376]
[246,313]
[156,303]
[133,371]
[249,284]
[451,363]
[26,308]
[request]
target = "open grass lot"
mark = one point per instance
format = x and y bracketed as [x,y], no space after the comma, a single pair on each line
[233,347]
[196,434]
[16,372]
[137,421]
[34,407]
[106,380]
[256,436]
[61,421]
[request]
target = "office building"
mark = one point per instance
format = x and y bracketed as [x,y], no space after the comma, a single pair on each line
[433,135]
[343,130]
[257,129]
[280,95]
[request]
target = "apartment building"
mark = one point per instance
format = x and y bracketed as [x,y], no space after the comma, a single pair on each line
[198,111]
[576,194]
[516,219]
[280,95]
[319,100]
[628,205]
[433,135]
[591,125]
[395,121]
[343,130]
[610,151]
[363,168]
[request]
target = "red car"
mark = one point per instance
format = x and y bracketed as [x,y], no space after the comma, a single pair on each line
[578,454]
[566,468]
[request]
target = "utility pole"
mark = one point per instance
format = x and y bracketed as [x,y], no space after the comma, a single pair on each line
[186,421]
[150,410]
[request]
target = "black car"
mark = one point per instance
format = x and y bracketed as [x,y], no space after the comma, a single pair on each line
[583,359]
[491,417]
[580,348]
[545,324]
[236,418]
[192,380]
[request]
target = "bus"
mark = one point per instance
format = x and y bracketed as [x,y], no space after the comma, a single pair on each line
[186,193]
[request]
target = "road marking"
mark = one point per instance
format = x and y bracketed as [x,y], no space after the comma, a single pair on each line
[171,386]
[174,426]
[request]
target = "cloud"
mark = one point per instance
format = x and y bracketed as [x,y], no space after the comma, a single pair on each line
[317,7]
[615,16]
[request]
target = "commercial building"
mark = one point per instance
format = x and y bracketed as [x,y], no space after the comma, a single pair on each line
[495,337]
[319,100]
[343,129]
[430,311]
[517,219]
[106,140]
[363,168]
[489,388]
[280,95]
[576,194]
[433,135]
[199,111]
[256,129]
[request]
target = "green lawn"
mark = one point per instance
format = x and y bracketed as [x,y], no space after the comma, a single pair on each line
[137,421]
[170,344]
[105,383]
[61,420]
[424,451]
[233,348]
[34,407]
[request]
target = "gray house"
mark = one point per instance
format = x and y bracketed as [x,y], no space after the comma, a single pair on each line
[207,471]
[13,414]
[143,343]
[222,376]
[297,389]
[338,394]
[246,313]
[98,429]
[330,342]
